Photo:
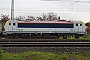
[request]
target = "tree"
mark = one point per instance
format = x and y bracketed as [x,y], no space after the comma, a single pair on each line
[88,27]
[4,18]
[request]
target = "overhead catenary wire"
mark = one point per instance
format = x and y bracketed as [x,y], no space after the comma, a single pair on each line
[71,9]
[51,1]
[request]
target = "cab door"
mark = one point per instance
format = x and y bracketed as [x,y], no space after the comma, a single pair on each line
[10,27]
[80,28]
[14,27]
[76,27]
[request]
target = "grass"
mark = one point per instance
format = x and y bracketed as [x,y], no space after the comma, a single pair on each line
[73,37]
[33,55]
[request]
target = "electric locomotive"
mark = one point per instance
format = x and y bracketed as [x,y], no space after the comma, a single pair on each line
[45,25]
[15,27]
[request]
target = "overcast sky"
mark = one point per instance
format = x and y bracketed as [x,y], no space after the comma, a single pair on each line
[67,9]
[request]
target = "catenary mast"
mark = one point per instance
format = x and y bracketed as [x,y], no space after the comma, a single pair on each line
[12,10]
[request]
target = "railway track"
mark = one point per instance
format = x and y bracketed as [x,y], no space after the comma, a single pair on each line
[44,44]
[29,37]
[41,40]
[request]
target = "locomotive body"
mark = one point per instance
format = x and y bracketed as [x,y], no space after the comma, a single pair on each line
[15,27]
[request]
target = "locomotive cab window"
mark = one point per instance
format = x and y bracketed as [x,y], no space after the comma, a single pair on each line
[9,23]
[80,24]
[76,24]
[13,24]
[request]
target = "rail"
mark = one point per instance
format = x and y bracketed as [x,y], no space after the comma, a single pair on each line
[45,44]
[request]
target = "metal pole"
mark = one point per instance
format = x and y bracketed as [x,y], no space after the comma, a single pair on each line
[12,10]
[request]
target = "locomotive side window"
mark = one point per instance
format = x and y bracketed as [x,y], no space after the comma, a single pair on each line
[13,24]
[9,23]
[80,24]
[76,24]
[45,25]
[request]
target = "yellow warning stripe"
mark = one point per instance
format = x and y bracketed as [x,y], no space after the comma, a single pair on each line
[83,23]
[6,24]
